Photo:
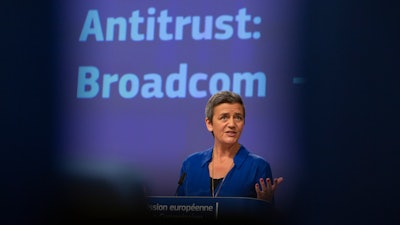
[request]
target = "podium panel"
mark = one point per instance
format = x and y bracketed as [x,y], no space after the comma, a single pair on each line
[208,207]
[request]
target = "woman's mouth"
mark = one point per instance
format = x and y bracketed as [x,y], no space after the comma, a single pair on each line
[230,133]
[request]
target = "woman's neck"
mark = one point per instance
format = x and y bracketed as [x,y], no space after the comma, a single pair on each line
[221,152]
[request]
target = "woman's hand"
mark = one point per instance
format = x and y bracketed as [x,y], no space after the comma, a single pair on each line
[266,191]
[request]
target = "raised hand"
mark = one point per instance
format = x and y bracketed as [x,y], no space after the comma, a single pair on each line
[267,189]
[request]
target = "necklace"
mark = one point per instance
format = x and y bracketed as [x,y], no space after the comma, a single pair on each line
[220,183]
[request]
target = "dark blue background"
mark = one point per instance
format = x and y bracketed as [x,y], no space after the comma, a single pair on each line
[351,113]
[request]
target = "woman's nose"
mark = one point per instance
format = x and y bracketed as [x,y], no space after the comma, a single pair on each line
[231,122]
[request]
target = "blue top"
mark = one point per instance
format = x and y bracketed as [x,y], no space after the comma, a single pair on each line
[239,182]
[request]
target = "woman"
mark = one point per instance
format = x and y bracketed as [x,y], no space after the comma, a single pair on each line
[227,168]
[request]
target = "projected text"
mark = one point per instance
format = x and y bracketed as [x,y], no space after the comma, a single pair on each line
[174,85]
[162,26]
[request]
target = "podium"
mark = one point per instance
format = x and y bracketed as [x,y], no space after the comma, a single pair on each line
[214,208]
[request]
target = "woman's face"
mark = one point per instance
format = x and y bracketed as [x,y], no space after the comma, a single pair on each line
[227,123]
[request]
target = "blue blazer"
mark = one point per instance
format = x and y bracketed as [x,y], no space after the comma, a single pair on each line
[239,182]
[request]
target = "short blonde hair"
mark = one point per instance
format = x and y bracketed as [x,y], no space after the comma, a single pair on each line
[220,98]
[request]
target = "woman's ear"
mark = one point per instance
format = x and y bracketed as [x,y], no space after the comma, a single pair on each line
[209,125]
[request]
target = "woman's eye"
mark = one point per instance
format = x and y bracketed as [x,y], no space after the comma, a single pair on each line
[238,118]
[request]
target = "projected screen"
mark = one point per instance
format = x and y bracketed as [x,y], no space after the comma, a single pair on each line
[134,78]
